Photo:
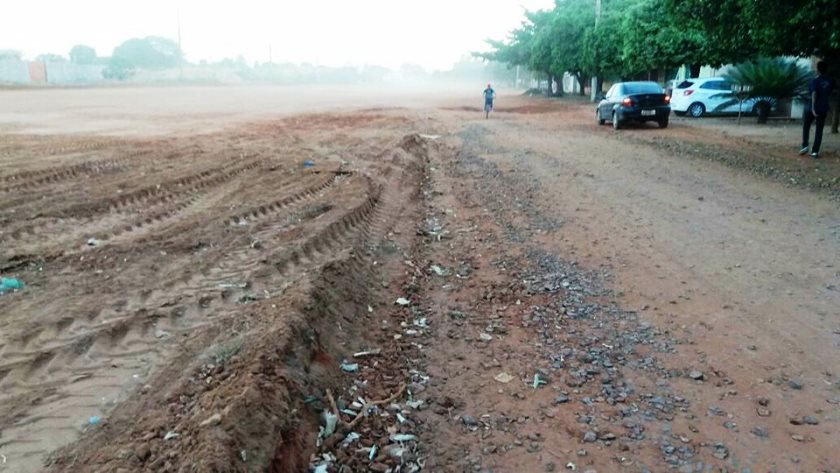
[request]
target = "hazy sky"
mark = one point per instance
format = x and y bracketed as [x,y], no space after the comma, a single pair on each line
[432,33]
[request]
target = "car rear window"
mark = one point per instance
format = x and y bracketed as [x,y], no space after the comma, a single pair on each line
[716,85]
[642,88]
[685,84]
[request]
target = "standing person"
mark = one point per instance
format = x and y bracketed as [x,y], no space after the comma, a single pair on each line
[489,95]
[816,109]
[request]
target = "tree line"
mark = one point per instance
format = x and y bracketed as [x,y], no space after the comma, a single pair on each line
[632,37]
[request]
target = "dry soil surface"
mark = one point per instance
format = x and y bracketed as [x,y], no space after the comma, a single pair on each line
[406,289]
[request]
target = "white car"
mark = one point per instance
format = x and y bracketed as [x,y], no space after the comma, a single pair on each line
[696,97]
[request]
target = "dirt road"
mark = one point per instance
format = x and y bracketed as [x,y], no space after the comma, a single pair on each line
[568,296]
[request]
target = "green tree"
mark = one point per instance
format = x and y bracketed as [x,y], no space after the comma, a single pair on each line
[50,57]
[10,55]
[768,80]
[151,52]
[654,40]
[82,54]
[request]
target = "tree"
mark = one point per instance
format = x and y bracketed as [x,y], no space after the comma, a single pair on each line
[50,57]
[151,52]
[768,80]
[10,55]
[82,54]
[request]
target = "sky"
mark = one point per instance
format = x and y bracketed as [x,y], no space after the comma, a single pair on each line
[432,33]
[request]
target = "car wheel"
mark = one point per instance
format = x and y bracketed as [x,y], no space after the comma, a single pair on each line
[615,121]
[663,123]
[696,110]
[601,121]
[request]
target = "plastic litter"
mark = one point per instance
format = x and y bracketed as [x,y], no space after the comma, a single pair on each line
[372,352]
[414,404]
[537,381]
[94,420]
[330,421]
[403,438]
[503,378]
[308,163]
[351,437]
[322,468]
[372,452]
[92,241]
[403,301]
[485,337]
[439,271]
[349,367]
[171,435]
[10,284]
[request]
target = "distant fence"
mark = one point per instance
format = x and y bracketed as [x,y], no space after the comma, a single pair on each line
[14,72]
[52,73]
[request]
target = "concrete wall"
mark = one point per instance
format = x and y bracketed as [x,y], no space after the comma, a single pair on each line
[14,72]
[67,73]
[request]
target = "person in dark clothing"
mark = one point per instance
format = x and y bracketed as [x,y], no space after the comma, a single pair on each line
[489,95]
[816,109]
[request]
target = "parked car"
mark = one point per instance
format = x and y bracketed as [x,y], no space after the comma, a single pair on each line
[634,102]
[698,97]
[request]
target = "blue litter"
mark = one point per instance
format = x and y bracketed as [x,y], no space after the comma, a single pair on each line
[349,367]
[308,163]
[10,284]
[93,420]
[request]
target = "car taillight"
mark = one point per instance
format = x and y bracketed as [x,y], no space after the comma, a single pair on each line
[688,92]
[627,102]
[667,99]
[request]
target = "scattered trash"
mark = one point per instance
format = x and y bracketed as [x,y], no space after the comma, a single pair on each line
[330,421]
[421,322]
[162,334]
[537,381]
[308,163]
[401,418]
[94,420]
[322,468]
[10,284]
[370,310]
[439,271]
[414,404]
[372,452]
[429,137]
[403,301]
[351,437]
[372,352]
[503,378]
[571,466]
[485,337]
[92,241]
[403,438]
[349,367]
[310,399]
[171,435]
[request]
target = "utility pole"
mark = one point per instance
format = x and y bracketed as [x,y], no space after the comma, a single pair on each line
[593,88]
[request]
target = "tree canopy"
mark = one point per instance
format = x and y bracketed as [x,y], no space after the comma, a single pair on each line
[635,36]
[151,52]
[82,54]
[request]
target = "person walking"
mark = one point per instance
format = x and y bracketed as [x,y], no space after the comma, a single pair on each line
[816,109]
[489,95]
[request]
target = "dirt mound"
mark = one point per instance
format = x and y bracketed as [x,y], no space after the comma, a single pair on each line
[189,300]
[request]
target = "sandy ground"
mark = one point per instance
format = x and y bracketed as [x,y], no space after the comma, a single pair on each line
[570,297]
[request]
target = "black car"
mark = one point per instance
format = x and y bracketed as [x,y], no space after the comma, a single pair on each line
[636,102]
